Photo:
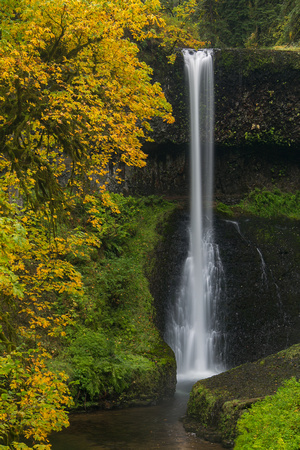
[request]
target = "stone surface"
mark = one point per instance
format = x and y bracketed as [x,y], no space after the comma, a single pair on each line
[257,130]
[216,403]
[259,309]
[256,97]
[260,313]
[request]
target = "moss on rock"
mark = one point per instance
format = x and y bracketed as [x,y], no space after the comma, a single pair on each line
[216,403]
[152,386]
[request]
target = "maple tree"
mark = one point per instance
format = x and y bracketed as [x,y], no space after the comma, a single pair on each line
[73,87]
[32,397]
[32,401]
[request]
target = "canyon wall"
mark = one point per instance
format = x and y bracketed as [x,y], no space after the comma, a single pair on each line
[257,126]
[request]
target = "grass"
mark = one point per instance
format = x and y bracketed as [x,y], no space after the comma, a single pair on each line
[264,203]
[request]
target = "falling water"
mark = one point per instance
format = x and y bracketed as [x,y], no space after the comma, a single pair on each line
[192,330]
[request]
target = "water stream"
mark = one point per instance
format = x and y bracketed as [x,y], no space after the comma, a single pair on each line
[192,328]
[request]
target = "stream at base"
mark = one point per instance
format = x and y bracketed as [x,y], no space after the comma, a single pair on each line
[133,428]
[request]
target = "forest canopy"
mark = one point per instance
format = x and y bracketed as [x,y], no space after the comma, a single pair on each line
[228,23]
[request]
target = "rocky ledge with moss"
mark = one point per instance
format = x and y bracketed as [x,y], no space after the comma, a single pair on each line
[216,403]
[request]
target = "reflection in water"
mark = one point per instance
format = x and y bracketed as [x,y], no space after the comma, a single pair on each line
[133,428]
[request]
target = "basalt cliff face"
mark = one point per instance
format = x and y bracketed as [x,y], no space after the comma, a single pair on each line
[257,126]
[256,98]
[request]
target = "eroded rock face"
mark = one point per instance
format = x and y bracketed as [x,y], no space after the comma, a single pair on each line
[166,172]
[259,307]
[257,127]
[260,313]
[257,146]
[256,97]
[239,171]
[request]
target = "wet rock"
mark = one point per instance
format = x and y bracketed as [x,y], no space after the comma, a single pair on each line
[260,313]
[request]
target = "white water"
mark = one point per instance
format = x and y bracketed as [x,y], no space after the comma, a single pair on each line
[192,331]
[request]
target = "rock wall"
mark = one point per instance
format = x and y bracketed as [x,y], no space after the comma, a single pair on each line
[256,98]
[257,130]
[237,171]
[260,312]
[259,308]
[216,403]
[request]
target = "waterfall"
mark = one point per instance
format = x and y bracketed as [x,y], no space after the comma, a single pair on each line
[193,330]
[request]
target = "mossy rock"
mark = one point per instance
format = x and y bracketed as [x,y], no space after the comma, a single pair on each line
[217,403]
[152,386]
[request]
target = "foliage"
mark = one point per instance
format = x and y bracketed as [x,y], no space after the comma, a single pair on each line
[217,403]
[264,137]
[288,30]
[75,102]
[74,95]
[273,423]
[101,368]
[80,296]
[266,203]
[209,20]
[228,23]
[271,204]
[221,208]
[33,400]
[179,33]
[113,336]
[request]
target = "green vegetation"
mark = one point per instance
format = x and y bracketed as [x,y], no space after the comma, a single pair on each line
[266,203]
[113,341]
[271,204]
[77,317]
[228,23]
[223,209]
[273,423]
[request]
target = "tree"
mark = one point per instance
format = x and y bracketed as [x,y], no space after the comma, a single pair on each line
[228,23]
[204,13]
[289,24]
[73,87]
[32,397]
[208,20]
[74,98]
[33,401]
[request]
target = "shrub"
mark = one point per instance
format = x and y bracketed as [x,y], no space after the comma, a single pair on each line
[273,423]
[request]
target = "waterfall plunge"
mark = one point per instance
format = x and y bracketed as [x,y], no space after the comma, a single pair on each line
[192,331]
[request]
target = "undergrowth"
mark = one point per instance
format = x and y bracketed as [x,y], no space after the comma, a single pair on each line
[113,338]
[273,423]
[264,203]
